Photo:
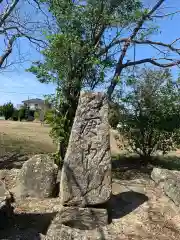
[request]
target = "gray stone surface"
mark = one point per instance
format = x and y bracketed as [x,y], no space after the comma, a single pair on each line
[78,224]
[67,233]
[172,190]
[37,178]
[159,175]
[170,182]
[86,173]
[81,218]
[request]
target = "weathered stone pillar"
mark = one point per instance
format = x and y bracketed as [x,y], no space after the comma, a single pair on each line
[86,173]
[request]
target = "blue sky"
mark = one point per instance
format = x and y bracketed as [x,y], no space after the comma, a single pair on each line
[17,85]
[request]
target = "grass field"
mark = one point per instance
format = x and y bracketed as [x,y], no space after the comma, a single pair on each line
[22,139]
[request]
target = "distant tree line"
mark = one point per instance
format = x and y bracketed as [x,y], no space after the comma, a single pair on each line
[9,112]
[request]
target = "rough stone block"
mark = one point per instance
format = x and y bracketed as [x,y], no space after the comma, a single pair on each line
[78,223]
[172,190]
[37,178]
[86,173]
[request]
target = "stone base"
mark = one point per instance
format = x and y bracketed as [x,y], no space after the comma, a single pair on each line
[82,218]
[67,233]
[77,221]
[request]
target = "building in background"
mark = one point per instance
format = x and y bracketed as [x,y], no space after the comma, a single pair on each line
[36,104]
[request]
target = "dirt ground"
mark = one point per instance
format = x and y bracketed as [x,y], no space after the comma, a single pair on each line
[140,211]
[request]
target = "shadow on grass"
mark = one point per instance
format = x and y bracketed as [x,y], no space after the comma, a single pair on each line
[14,152]
[34,223]
[132,167]
[13,160]
[167,162]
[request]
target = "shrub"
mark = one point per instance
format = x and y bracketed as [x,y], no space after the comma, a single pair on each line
[151,119]
[15,116]
[36,115]
[114,114]
[22,113]
[8,110]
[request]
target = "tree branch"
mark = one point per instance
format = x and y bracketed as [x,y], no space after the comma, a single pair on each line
[122,40]
[8,51]
[8,12]
[166,15]
[154,62]
[119,67]
[170,46]
[134,33]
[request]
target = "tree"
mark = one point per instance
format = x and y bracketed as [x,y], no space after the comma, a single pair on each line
[8,110]
[151,119]
[84,50]
[115,112]
[15,115]
[1,110]
[16,23]
[73,59]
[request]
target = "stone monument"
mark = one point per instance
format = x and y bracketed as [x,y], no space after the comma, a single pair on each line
[85,187]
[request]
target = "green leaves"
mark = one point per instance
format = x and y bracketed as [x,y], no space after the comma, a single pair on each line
[7,110]
[151,119]
[72,59]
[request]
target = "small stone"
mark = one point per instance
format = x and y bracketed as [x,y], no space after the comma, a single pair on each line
[86,173]
[37,178]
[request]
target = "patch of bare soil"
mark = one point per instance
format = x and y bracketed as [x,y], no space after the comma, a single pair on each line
[140,211]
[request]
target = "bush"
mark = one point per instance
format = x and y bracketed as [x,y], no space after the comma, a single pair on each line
[114,114]
[15,116]
[151,119]
[22,113]
[49,115]
[8,110]
[36,115]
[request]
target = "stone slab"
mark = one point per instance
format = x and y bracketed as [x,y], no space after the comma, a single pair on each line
[78,223]
[86,173]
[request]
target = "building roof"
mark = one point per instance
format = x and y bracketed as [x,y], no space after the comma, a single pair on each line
[34,100]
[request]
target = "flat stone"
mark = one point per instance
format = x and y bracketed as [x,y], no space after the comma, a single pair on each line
[86,173]
[67,233]
[82,218]
[78,223]
[37,178]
